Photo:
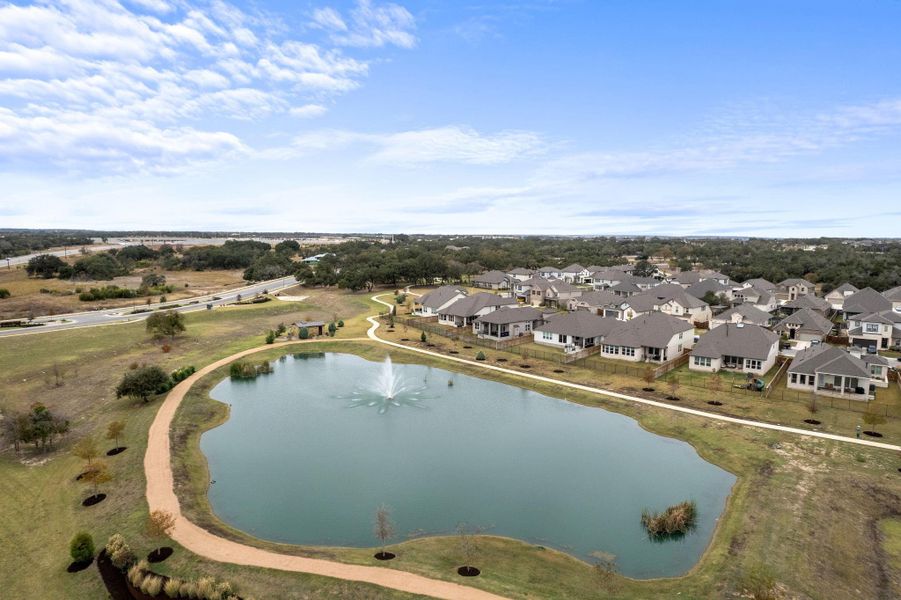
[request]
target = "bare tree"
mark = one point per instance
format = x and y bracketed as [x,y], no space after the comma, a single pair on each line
[468,548]
[384,530]
[648,376]
[673,385]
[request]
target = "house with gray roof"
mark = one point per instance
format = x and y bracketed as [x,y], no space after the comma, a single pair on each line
[880,330]
[520,274]
[430,303]
[702,288]
[830,371]
[606,277]
[687,278]
[550,272]
[601,302]
[492,280]
[760,298]
[654,337]
[735,346]
[865,301]
[625,289]
[760,283]
[805,325]
[574,331]
[464,311]
[667,298]
[836,298]
[894,296]
[508,322]
[791,288]
[574,273]
[810,301]
[551,292]
[742,313]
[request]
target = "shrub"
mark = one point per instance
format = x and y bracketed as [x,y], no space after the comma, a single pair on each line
[281,329]
[480,355]
[81,548]
[675,520]
[4,293]
[172,588]
[246,370]
[400,298]
[206,588]
[152,585]
[341,323]
[182,373]
[270,337]
[136,572]
[120,552]
[332,328]
[188,589]
[166,348]
[423,337]
[304,333]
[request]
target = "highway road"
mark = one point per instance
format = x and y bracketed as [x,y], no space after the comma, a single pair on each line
[70,251]
[125,314]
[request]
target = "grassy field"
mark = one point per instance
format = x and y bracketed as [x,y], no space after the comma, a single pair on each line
[809,511]
[61,296]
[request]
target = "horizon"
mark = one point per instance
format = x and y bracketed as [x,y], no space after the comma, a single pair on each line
[536,118]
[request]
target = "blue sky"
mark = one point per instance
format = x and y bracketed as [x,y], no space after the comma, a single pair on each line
[532,116]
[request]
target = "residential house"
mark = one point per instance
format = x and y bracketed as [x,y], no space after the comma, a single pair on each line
[625,289]
[805,325]
[428,305]
[878,367]
[865,301]
[551,292]
[836,297]
[881,330]
[574,331]
[508,322]
[742,313]
[758,297]
[830,371]
[464,311]
[706,286]
[605,278]
[687,278]
[792,288]
[550,273]
[716,276]
[574,273]
[520,274]
[602,302]
[894,296]
[735,346]
[492,280]
[821,305]
[761,284]
[670,299]
[654,337]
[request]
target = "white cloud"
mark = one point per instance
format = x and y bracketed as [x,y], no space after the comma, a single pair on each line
[369,25]
[451,144]
[161,67]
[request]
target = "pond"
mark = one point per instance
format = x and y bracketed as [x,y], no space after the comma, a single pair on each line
[311,450]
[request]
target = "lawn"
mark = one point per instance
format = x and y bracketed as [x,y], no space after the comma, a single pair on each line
[782,511]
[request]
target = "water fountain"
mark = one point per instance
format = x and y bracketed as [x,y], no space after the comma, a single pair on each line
[389,390]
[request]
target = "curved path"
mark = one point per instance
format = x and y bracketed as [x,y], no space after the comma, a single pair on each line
[161,496]
[611,394]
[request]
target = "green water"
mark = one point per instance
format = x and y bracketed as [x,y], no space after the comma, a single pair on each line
[306,459]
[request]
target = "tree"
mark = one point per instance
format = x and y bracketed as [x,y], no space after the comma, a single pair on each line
[673,385]
[288,247]
[648,376]
[4,293]
[166,323]
[873,418]
[114,431]
[86,449]
[332,328]
[716,384]
[143,382]
[423,338]
[303,333]
[44,266]
[97,476]
[270,337]
[153,280]
[384,529]
[271,265]
[467,547]
[40,426]
[159,526]
[81,548]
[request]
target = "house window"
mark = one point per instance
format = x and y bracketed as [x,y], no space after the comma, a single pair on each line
[628,351]
[702,361]
[752,364]
[547,335]
[876,370]
[794,377]
[608,349]
[872,327]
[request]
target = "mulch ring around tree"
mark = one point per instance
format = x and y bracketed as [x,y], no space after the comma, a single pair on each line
[647,389]
[714,403]
[500,360]
[405,339]
[115,451]
[92,500]
[874,434]
[384,555]
[672,398]
[468,571]
[812,421]
[453,352]
[160,554]
[559,371]
[525,366]
[468,347]
[76,567]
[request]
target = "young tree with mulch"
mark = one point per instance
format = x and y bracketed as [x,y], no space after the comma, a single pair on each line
[86,449]
[159,526]
[649,378]
[673,385]
[467,547]
[81,549]
[873,418]
[114,432]
[384,530]
[94,478]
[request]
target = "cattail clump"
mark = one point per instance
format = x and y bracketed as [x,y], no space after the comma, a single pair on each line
[675,520]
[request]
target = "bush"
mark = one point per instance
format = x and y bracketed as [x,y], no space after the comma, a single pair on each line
[120,552]
[172,588]
[4,293]
[341,323]
[81,548]
[423,337]
[182,373]
[760,582]
[246,370]
[304,333]
[166,348]
[270,337]
[152,585]
[143,383]
[400,298]
[332,328]
[480,355]
[675,520]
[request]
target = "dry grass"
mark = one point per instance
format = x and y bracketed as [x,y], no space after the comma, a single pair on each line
[676,520]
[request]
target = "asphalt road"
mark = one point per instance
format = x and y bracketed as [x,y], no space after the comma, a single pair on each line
[70,251]
[124,314]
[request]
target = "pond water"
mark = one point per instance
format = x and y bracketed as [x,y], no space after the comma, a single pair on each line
[313,449]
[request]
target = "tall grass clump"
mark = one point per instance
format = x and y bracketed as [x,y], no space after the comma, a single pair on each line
[677,520]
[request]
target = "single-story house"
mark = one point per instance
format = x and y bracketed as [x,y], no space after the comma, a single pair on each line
[508,322]
[602,303]
[761,284]
[605,278]
[492,280]
[805,325]
[836,298]
[736,346]
[670,299]
[687,278]
[574,331]
[881,330]
[742,313]
[810,301]
[520,274]
[864,302]
[464,311]
[428,305]
[702,288]
[625,289]
[792,288]
[760,298]
[830,371]
[654,337]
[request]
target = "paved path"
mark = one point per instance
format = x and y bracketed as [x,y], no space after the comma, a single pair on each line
[161,496]
[602,392]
